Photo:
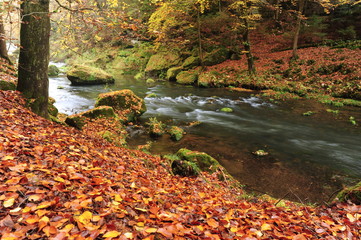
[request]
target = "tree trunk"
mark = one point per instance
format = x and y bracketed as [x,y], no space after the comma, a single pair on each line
[277,12]
[34,54]
[298,28]
[247,48]
[200,51]
[3,49]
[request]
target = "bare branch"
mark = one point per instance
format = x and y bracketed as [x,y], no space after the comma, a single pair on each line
[72,10]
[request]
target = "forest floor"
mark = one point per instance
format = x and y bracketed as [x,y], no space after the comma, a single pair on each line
[330,75]
[59,183]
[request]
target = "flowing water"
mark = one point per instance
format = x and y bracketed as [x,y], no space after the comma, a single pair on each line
[309,157]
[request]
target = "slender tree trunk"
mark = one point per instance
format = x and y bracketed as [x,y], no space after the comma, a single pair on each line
[200,51]
[247,48]
[277,12]
[3,49]
[34,54]
[298,28]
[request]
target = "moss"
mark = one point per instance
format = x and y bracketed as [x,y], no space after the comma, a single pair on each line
[156,128]
[80,119]
[150,81]
[87,75]
[53,71]
[118,140]
[352,194]
[191,62]
[53,111]
[187,77]
[227,110]
[129,105]
[309,113]
[161,62]
[176,133]
[172,73]
[204,161]
[139,76]
[215,57]
[5,85]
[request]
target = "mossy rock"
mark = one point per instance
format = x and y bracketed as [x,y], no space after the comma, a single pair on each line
[191,62]
[172,73]
[352,194]
[204,161]
[210,79]
[139,76]
[5,85]
[86,75]
[53,71]
[151,95]
[162,61]
[53,111]
[150,81]
[118,140]
[129,105]
[156,128]
[176,133]
[80,119]
[187,77]
[227,110]
[216,56]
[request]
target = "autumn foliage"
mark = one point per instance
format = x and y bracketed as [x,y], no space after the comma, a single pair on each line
[57,183]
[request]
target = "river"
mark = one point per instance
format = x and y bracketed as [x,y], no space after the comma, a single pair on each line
[310,157]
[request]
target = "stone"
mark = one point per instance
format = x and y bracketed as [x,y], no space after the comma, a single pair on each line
[128,105]
[156,128]
[80,119]
[53,111]
[172,73]
[191,62]
[187,77]
[216,56]
[227,110]
[162,61]
[86,75]
[53,71]
[176,133]
[204,161]
[150,81]
[352,194]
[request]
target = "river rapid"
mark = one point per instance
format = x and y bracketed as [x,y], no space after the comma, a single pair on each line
[310,157]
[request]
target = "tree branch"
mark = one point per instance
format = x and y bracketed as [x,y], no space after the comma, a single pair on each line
[70,9]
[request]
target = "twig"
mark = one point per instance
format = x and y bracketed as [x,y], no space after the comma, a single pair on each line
[72,10]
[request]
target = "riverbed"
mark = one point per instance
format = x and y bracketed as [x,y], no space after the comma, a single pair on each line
[310,157]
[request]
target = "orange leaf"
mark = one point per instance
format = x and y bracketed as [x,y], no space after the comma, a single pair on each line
[32,219]
[213,223]
[266,227]
[151,230]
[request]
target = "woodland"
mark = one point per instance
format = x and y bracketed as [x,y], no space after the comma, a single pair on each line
[75,176]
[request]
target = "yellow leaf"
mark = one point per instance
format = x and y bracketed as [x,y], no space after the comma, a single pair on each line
[266,227]
[151,230]
[98,199]
[111,234]
[202,194]
[141,209]
[118,198]
[85,217]
[44,205]
[234,229]
[9,202]
[350,217]
[59,179]
[15,210]
[133,185]
[7,158]
[32,219]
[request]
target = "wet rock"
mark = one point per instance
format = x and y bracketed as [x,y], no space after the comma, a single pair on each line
[156,128]
[176,133]
[352,194]
[53,111]
[124,102]
[80,119]
[53,71]
[227,110]
[260,153]
[204,161]
[86,75]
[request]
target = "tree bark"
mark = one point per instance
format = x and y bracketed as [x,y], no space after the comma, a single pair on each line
[298,28]
[247,48]
[3,49]
[34,54]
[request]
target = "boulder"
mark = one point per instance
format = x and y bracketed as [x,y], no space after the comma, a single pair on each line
[53,71]
[176,133]
[191,62]
[172,73]
[187,77]
[216,56]
[53,111]
[5,85]
[86,75]
[352,194]
[226,110]
[156,128]
[162,61]
[80,119]
[124,102]
[204,161]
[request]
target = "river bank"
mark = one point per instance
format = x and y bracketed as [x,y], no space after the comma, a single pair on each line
[76,185]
